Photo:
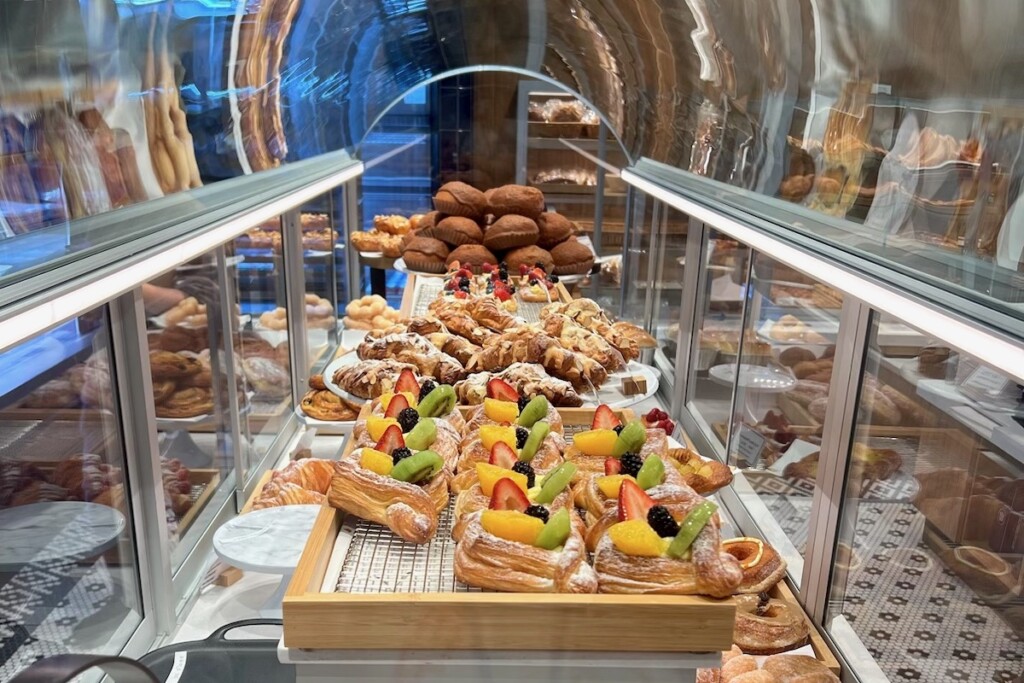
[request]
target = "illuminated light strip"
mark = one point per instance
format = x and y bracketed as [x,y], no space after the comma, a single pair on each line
[31,322]
[612,170]
[398,150]
[990,348]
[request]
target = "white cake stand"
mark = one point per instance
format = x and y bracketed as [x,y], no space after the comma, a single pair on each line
[268,541]
[753,379]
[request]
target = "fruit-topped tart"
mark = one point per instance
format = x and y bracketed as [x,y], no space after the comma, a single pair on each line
[426,397]
[392,484]
[506,405]
[608,438]
[461,284]
[510,483]
[532,449]
[536,285]
[597,494]
[521,546]
[663,540]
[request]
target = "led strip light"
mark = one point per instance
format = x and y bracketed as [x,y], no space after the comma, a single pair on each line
[987,347]
[31,322]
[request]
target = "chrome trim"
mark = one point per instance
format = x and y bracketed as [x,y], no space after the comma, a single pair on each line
[227,324]
[293,276]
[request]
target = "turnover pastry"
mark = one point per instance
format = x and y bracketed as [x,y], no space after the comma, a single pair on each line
[530,379]
[416,350]
[668,543]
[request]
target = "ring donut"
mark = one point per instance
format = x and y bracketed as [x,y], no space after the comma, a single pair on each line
[762,565]
[765,626]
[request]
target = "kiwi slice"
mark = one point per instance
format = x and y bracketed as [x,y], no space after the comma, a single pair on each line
[631,439]
[418,467]
[422,435]
[536,409]
[438,402]
[696,519]
[555,532]
[651,473]
[538,433]
[554,483]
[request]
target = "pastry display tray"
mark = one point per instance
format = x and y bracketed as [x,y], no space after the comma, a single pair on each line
[401,596]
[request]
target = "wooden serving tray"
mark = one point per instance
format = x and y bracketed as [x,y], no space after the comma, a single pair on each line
[315,616]
[208,478]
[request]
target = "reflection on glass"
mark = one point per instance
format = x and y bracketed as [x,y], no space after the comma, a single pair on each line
[68,577]
[718,337]
[928,572]
[668,286]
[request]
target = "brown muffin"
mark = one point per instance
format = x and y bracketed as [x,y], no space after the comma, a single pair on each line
[511,231]
[425,254]
[531,256]
[554,229]
[571,257]
[460,199]
[472,256]
[457,230]
[517,199]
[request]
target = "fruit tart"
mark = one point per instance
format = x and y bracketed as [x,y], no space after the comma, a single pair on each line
[504,405]
[534,550]
[598,494]
[538,446]
[391,485]
[429,398]
[665,540]
[609,438]
[500,487]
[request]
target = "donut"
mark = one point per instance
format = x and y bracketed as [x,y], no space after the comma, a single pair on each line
[765,626]
[762,565]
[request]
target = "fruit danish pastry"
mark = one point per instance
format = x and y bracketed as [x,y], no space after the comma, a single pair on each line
[597,495]
[535,550]
[371,378]
[505,405]
[667,542]
[414,349]
[609,438]
[393,486]
[703,476]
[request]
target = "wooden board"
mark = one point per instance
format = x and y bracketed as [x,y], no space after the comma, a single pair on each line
[210,478]
[257,490]
[821,651]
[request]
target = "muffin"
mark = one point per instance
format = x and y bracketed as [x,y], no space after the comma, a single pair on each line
[554,229]
[460,199]
[472,256]
[571,257]
[458,230]
[517,199]
[425,254]
[511,231]
[531,256]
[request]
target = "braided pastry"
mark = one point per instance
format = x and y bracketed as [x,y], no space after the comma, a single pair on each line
[459,348]
[486,561]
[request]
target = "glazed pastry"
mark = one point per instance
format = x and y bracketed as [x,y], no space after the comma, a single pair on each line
[592,460]
[370,378]
[367,487]
[762,565]
[460,199]
[186,403]
[474,449]
[485,310]
[416,350]
[514,562]
[461,323]
[580,339]
[162,390]
[703,476]
[635,333]
[598,494]
[267,377]
[445,442]
[589,314]
[478,416]
[766,626]
[682,556]
[459,348]
[366,241]
[530,379]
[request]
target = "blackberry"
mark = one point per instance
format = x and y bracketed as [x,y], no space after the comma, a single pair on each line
[407,419]
[618,429]
[522,434]
[631,464]
[538,511]
[425,388]
[523,400]
[661,521]
[533,281]
[525,468]
[400,454]
[539,264]
[464,285]
[553,279]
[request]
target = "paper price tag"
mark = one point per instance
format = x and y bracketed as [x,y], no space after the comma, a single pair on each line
[749,445]
[986,381]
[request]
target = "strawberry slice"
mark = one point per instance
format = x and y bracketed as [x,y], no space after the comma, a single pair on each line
[391,439]
[633,501]
[508,496]
[612,466]
[398,403]
[503,456]
[407,382]
[501,390]
[604,418]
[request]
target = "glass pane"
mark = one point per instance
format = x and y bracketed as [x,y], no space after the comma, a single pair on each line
[319,235]
[785,368]
[719,327]
[928,572]
[668,288]
[68,570]
[190,392]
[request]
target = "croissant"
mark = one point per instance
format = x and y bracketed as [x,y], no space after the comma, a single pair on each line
[477,417]
[461,323]
[581,339]
[287,493]
[312,474]
[520,347]
[590,315]
[409,510]
[486,561]
[424,325]
[657,443]
[459,348]
[417,350]
[371,378]
[711,571]
[485,310]
[530,379]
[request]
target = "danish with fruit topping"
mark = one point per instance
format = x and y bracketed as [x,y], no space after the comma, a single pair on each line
[596,494]
[504,405]
[667,542]
[537,445]
[428,398]
[531,551]
[609,438]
